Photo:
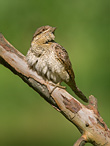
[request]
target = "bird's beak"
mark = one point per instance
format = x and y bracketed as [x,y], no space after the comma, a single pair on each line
[53,29]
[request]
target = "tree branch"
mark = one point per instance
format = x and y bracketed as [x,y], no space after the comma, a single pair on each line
[80,142]
[85,118]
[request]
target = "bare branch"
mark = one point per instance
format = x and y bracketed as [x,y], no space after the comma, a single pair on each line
[86,118]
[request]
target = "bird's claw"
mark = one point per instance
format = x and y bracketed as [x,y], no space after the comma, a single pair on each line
[55,86]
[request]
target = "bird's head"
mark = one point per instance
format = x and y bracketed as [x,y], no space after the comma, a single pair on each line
[44,35]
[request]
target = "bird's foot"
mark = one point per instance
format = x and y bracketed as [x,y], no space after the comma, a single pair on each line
[56,85]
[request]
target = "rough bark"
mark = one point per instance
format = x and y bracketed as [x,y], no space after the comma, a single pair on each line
[86,118]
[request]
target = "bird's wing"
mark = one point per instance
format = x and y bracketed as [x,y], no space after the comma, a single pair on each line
[64,59]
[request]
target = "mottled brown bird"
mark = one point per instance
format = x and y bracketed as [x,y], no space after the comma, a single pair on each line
[51,60]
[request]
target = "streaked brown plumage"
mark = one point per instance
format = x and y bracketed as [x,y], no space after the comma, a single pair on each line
[51,60]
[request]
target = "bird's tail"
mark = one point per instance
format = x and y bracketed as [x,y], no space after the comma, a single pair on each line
[77,91]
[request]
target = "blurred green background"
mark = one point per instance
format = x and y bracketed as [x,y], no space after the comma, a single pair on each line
[83,29]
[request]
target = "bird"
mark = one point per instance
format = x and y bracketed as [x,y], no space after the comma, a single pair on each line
[50,60]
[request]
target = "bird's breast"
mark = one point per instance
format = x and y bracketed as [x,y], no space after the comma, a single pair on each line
[50,67]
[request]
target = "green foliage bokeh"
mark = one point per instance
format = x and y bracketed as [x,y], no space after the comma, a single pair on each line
[83,29]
